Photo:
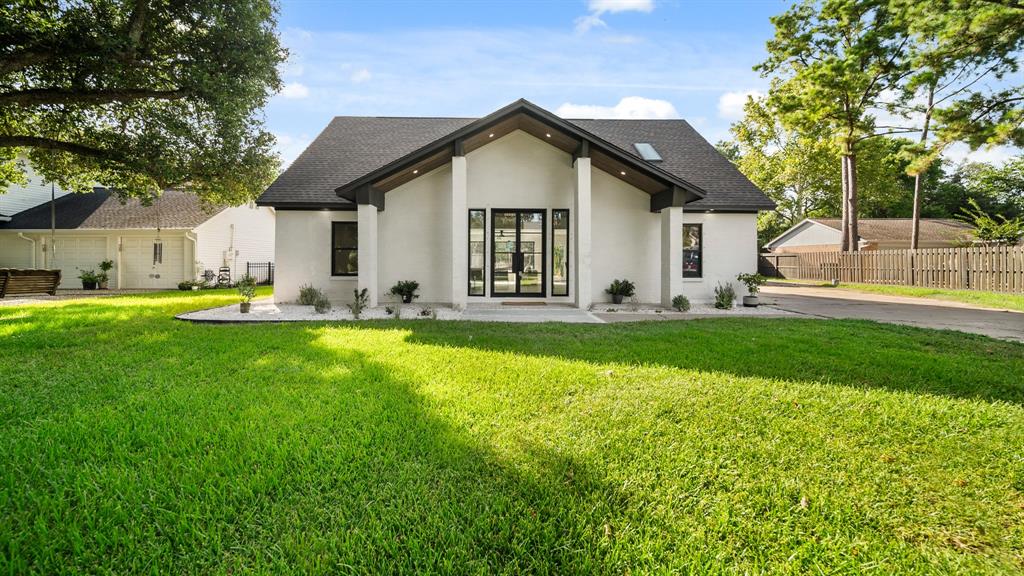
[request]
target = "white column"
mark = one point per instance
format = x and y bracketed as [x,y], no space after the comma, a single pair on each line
[671,254]
[581,230]
[367,218]
[460,234]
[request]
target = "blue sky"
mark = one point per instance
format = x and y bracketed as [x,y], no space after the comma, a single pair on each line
[579,58]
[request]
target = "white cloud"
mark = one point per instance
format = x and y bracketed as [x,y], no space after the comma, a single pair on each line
[997,155]
[295,90]
[360,76]
[614,6]
[730,104]
[599,8]
[633,107]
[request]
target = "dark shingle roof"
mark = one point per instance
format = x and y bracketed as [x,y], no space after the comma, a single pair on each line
[898,229]
[348,148]
[353,146]
[103,210]
[687,155]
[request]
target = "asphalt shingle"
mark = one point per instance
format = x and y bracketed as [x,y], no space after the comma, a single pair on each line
[352,146]
[898,229]
[103,210]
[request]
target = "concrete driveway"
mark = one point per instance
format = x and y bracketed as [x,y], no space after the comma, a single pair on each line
[839,303]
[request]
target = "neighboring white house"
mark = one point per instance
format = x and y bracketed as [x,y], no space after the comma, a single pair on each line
[824,234]
[21,197]
[519,205]
[156,246]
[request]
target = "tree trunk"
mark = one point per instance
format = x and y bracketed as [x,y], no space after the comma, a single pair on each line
[851,178]
[844,228]
[915,227]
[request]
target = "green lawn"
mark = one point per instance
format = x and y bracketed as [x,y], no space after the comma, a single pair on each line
[1000,300]
[133,442]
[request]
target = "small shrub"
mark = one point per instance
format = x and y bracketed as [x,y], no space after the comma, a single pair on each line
[753,282]
[725,296]
[405,290]
[681,303]
[389,310]
[623,288]
[427,312]
[246,288]
[321,305]
[186,285]
[359,303]
[309,295]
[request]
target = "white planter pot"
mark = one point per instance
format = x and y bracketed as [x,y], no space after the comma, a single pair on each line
[750,301]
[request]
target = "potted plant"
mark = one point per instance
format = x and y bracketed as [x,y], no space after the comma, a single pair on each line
[104,276]
[247,290]
[620,289]
[406,290]
[753,283]
[90,279]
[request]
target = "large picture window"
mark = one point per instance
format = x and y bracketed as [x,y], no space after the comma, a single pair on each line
[559,252]
[693,242]
[344,249]
[477,244]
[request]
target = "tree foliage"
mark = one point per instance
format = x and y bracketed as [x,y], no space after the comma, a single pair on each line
[998,230]
[833,61]
[796,170]
[799,170]
[140,95]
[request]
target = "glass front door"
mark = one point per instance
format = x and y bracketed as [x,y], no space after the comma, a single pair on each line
[517,248]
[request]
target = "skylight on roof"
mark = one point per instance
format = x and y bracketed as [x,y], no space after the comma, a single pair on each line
[647,152]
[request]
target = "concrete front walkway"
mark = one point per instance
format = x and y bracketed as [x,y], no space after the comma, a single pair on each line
[925,313]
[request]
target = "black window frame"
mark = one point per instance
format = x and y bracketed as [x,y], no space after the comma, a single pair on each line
[699,250]
[469,253]
[334,248]
[568,247]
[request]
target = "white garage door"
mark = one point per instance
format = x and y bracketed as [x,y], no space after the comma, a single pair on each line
[144,269]
[73,254]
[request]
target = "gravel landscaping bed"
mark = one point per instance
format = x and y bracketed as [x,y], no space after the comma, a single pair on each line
[695,310]
[268,311]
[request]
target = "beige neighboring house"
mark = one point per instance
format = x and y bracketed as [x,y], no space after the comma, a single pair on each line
[823,235]
[157,246]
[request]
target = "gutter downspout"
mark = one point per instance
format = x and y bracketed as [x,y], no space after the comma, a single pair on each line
[195,251]
[26,238]
[120,242]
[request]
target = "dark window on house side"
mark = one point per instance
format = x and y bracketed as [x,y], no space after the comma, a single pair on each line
[693,242]
[477,246]
[559,252]
[344,249]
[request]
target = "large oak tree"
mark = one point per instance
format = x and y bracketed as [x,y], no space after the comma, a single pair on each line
[140,95]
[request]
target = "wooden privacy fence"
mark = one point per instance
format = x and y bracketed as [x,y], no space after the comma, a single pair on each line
[995,268]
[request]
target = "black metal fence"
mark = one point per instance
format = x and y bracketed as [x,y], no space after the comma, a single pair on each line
[262,272]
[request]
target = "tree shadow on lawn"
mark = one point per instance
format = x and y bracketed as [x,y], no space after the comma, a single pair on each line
[294,455]
[843,352]
[338,448]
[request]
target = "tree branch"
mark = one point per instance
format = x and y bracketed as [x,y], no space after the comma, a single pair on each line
[51,144]
[44,96]
[23,59]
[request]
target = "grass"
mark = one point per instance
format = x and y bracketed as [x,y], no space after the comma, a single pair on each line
[999,300]
[132,442]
